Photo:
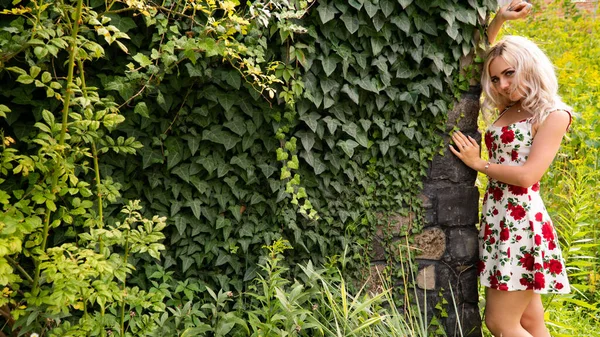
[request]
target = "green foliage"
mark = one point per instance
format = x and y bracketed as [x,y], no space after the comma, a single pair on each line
[241,123]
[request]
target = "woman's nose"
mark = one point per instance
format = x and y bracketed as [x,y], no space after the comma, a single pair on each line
[504,84]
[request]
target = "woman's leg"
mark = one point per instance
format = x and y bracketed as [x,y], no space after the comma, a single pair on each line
[533,318]
[503,312]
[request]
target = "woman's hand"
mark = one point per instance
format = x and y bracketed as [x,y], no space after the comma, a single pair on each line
[468,150]
[516,9]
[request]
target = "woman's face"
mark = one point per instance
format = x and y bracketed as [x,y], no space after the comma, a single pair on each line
[502,76]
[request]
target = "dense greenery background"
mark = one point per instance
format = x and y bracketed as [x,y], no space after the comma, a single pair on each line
[236,124]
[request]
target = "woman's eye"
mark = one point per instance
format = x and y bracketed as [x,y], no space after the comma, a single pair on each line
[494,80]
[510,73]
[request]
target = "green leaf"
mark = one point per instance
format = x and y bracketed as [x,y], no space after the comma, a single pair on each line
[237,125]
[209,163]
[219,136]
[329,64]
[307,139]
[183,171]
[194,70]
[351,22]
[327,11]
[195,206]
[123,23]
[351,92]
[311,120]
[332,124]
[233,78]
[405,3]
[142,59]
[347,146]
[402,21]
[25,79]
[267,169]
[164,103]
[371,8]
[426,25]
[141,109]
[227,100]
[193,142]
[241,161]
[387,7]
[174,152]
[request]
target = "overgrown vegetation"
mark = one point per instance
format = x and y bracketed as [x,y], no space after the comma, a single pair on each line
[238,125]
[568,37]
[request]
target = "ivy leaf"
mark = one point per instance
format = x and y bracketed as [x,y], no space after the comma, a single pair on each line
[350,128]
[241,161]
[237,125]
[347,146]
[183,171]
[226,100]
[387,7]
[371,8]
[193,143]
[123,23]
[142,59]
[402,21]
[332,124]
[233,78]
[428,26]
[351,92]
[194,70]
[217,135]
[327,11]
[174,152]
[141,109]
[311,120]
[195,206]
[208,162]
[307,138]
[420,87]
[405,3]
[267,169]
[384,146]
[329,64]
[351,22]
[356,4]
[164,103]
[180,224]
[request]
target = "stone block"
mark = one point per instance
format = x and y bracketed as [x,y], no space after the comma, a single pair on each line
[449,167]
[469,318]
[395,225]
[465,112]
[379,250]
[457,205]
[426,278]
[431,244]
[375,284]
[462,246]
[426,200]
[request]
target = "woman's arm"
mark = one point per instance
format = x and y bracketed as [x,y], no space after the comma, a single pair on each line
[516,9]
[543,150]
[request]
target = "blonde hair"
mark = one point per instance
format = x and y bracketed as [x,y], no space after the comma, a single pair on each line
[534,79]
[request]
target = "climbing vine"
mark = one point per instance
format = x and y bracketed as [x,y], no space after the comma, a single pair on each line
[241,123]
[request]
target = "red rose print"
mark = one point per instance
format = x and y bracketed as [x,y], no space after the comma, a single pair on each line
[517,190]
[531,225]
[552,245]
[539,281]
[504,234]
[508,252]
[527,261]
[507,135]
[493,282]
[496,193]
[538,216]
[480,267]
[502,160]
[487,232]
[537,266]
[514,155]
[489,139]
[518,238]
[503,287]
[492,240]
[518,212]
[537,239]
[495,211]
[536,187]
[526,282]
[547,231]
[555,267]
[559,285]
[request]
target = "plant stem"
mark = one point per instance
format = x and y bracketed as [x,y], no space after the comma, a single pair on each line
[19,268]
[124,280]
[61,140]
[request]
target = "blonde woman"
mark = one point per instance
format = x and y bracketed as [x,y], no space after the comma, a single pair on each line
[519,254]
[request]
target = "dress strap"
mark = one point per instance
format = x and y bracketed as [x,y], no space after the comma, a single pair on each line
[567,111]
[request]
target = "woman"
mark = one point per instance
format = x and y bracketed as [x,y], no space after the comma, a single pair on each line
[519,253]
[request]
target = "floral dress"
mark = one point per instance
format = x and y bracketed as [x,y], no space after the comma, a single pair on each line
[518,246]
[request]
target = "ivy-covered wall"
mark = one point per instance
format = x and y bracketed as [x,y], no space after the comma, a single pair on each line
[321,147]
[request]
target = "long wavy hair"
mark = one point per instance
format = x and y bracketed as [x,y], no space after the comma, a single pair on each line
[534,79]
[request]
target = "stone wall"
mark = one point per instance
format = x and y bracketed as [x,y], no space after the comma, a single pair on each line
[446,250]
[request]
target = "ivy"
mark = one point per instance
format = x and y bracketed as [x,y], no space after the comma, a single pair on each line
[241,123]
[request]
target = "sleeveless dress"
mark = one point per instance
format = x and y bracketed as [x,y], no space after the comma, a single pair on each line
[518,245]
